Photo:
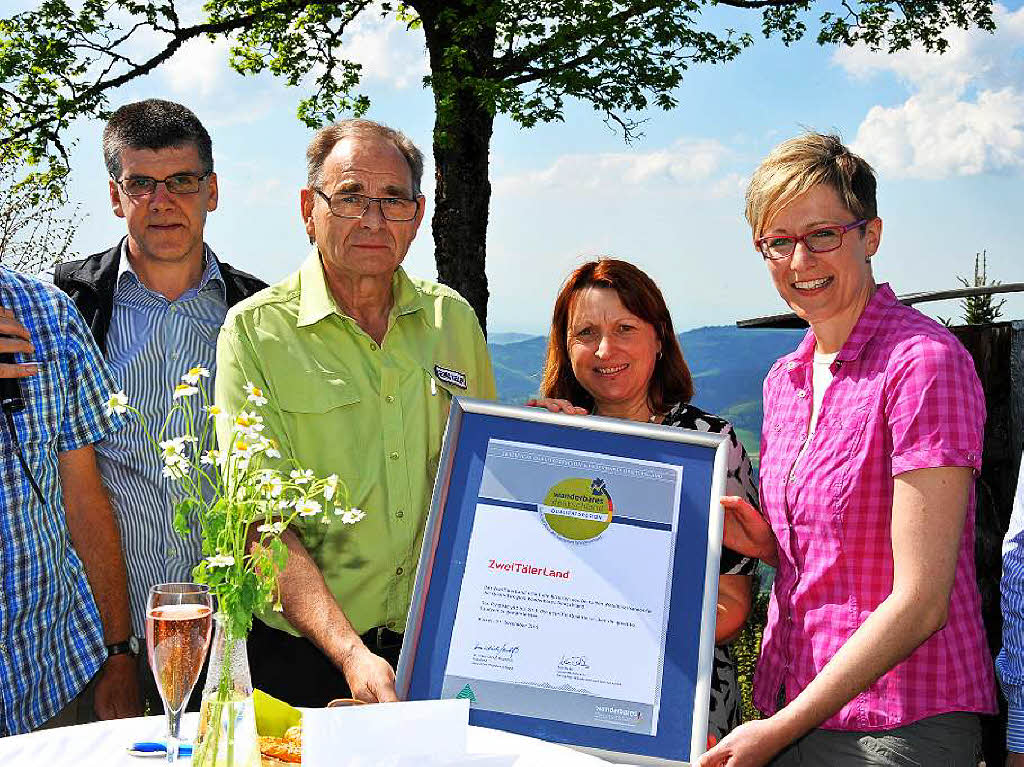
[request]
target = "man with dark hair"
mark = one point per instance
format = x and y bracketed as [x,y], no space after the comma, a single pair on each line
[154,303]
[358,362]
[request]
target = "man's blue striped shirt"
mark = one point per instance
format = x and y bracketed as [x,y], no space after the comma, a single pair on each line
[1010,662]
[151,343]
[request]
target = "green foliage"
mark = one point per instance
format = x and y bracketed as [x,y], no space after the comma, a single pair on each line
[746,649]
[36,227]
[60,61]
[980,310]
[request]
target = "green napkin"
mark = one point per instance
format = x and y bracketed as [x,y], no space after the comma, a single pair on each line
[273,716]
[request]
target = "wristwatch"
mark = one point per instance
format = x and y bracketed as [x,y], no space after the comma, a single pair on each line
[129,647]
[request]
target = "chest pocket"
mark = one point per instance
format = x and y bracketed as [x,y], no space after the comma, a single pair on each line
[837,441]
[41,428]
[438,394]
[319,392]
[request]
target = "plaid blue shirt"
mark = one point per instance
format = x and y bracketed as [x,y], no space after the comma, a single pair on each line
[51,640]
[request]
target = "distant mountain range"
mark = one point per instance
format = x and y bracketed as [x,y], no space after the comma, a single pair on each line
[728,366]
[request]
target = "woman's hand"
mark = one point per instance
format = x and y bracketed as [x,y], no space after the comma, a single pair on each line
[556,405]
[749,745]
[747,532]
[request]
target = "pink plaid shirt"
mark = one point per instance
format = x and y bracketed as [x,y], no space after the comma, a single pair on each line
[905,396]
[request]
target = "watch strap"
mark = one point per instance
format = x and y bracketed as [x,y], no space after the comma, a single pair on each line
[127,647]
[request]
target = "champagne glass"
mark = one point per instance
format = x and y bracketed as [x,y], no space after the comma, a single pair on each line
[179,617]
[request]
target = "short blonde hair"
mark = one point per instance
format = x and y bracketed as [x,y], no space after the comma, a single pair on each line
[796,165]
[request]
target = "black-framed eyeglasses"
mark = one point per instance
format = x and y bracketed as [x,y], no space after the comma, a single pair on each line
[822,240]
[179,183]
[351,205]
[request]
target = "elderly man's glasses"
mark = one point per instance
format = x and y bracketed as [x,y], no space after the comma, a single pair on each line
[778,247]
[349,205]
[179,183]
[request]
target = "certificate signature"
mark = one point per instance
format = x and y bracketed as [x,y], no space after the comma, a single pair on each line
[495,654]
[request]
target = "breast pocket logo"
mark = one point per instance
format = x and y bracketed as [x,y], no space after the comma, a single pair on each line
[451,377]
[578,509]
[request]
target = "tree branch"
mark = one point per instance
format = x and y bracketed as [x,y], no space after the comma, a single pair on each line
[181,36]
[506,65]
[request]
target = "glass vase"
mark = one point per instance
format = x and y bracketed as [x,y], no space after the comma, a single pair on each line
[227,723]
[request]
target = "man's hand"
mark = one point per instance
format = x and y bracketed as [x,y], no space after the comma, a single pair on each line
[370,677]
[117,689]
[14,338]
[749,745]
[746,531]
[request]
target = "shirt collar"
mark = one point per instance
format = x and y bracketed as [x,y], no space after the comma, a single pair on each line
[316,301]
[211,271]
[864,330]
[868,323]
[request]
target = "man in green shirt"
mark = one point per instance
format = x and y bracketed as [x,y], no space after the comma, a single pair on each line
[358,362]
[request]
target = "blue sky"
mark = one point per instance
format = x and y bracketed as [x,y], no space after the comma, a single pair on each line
[945,133]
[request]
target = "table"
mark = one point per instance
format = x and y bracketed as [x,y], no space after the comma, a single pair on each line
[105,744]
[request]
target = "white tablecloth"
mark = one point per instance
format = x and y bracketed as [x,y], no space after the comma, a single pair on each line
[105,744]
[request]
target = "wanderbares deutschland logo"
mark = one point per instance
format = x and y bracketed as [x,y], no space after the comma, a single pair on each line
[578,509]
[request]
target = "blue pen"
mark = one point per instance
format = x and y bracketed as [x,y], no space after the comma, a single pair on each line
[144,747]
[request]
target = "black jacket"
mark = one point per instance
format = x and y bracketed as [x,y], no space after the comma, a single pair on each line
[91,281]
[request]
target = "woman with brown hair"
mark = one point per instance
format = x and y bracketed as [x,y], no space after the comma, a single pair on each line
[613,352]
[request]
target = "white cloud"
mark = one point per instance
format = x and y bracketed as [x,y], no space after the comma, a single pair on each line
[387,50]
[694,164]
[198,67]
[965,112]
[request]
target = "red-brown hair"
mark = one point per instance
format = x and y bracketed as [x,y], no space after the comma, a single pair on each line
[671,381]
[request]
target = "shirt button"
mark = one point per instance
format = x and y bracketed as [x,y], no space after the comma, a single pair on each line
[175,355]
[170,551]
[399,513]
[391,624]
[389,399]
[394,455]
[801,392]
[373,346]
[399,571]
[791,365]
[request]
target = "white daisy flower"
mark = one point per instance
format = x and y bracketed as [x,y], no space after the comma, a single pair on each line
[194,374]
[172,449]
[330,487]
[240,448]
[184,390]
[117,403]
[275,528]
[212,410]
[211,457]
[302,477]
[172,471]
[307,507]
[220,560]
[351,516]
[249,423]
[254,394]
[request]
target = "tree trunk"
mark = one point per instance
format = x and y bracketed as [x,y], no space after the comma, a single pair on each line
[462,138]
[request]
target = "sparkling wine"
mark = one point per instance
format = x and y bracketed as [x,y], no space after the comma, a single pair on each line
[177,637]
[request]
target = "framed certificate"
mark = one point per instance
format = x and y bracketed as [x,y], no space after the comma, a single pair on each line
[568,580]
